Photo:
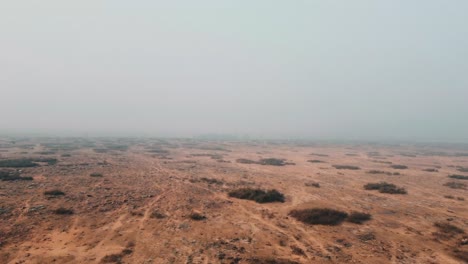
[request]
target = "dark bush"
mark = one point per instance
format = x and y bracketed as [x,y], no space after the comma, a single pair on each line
[399,167]
[271,261]
[312,184]
[211,181]
[316,161]
[246,161]
[459,177]
[346,167]
[96,174]
[18,163]
[258,195]
[319,216]
[157,215]
[448,228]
[431,170]
[273,162]
[13,176]
[385,187]
[358,217]
[54,192]
[462,169]
[383,172]
[197,216]
[366,236]
[461,254]
[455,185]
[113,258]
[63,211]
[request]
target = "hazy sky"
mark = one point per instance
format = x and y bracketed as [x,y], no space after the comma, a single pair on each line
[362,69]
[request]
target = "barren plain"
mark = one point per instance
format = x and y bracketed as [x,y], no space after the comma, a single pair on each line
[130,200]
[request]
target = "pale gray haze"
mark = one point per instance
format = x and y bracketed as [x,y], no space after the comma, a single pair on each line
[364,69]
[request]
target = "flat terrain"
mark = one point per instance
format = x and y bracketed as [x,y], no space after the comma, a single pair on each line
[167,201]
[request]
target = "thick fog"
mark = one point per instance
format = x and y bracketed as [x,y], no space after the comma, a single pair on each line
[365,69]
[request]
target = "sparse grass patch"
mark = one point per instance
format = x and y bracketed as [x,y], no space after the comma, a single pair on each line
[458,177]
[462,169]
[358,217]
[385,187]
[13,176]
[96,174]
[455,185]
[346,167]
[258,195]
[431,170]
[319,216]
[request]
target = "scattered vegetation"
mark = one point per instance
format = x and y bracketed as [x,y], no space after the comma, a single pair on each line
[455,185]
[462,169]
[358,217]
[385,187]
[54,192]
[459,177]
[319,216]
[63,211]
[399,167]
[258,195]
[431,170]
[117,258]
[346,167]
[96,174]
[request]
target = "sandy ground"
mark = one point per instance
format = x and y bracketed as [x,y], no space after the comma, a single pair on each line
[114,215]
